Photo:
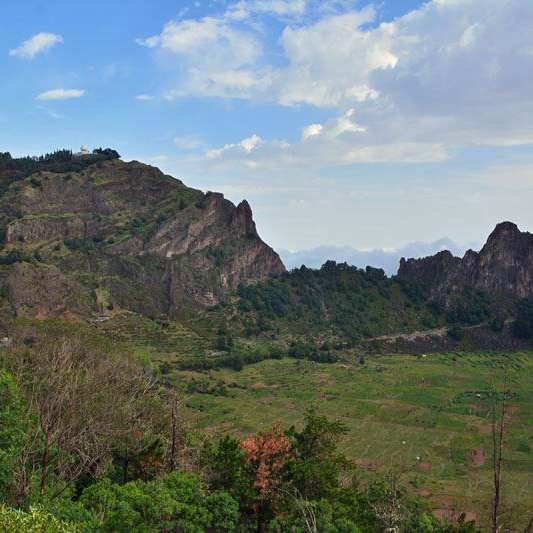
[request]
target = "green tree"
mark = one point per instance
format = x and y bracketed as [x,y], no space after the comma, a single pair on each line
[317,464]
[176,502]
[14,425]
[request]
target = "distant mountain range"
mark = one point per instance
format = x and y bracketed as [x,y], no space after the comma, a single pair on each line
[388,260]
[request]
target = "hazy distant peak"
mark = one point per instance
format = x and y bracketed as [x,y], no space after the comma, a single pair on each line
[388,259]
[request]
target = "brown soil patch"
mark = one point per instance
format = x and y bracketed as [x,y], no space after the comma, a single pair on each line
[423,467]
[477,458]
[258,386]
[424,493]
[368,464]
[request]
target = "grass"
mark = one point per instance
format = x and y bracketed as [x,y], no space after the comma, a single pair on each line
[422,417]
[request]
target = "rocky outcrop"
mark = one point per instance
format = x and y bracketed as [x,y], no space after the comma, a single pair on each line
[153,244]
[504,266]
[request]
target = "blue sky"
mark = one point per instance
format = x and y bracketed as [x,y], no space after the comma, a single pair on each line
[343,122]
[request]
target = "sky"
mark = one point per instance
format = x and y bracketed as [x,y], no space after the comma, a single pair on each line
[344,123]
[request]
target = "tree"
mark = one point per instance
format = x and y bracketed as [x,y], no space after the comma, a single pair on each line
[267,455]
[176,502]
[14,425]
[69,386]
[316,464]
[228,469]
[498,428]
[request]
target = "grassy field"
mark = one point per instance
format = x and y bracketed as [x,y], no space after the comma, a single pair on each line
[426,418]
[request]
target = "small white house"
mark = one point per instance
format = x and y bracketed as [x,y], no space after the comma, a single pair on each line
[84,150]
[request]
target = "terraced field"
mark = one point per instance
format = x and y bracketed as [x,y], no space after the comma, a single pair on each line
[425,418]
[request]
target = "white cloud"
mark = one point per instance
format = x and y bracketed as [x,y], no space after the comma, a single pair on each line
[35,45]
[245,147]
[144,97]
[329,62]
[149,42]
[61,94]
[447,75]
[311,131]
[188,142]
[214,57]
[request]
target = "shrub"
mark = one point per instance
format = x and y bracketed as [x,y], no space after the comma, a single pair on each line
[36,520]
[176,502]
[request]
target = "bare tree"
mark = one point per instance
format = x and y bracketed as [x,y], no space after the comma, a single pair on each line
[499,413]
[85,403]
[176,427]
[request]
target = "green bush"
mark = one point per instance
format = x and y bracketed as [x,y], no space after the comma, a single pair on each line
[176,502]
[36,520]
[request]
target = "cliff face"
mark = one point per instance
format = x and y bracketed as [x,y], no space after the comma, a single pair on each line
[504,266]
[121,235]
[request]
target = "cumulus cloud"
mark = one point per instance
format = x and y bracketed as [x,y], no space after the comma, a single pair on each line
[61,94]
[338,141]
[447,75]
[214,57]
[329,62]
[243,148]
[35,45]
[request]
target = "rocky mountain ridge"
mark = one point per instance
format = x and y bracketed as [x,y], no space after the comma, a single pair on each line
[123,236]
[504,267]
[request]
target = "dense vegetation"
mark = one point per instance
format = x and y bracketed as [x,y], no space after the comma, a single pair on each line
[340,299]
[69,460]
[523,326]
[61,161]
[339,305]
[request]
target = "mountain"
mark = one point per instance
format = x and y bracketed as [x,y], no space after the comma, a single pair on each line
[339,301]
[93,234]
[503,267]
[388,260]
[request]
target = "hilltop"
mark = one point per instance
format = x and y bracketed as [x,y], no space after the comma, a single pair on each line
[85,235]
